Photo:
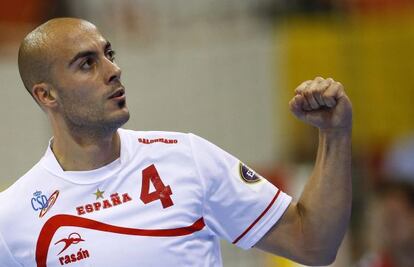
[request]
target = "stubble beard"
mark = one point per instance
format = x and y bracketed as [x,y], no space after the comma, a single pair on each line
[92,124]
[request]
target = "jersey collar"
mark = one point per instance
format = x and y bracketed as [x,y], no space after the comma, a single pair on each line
[50,163]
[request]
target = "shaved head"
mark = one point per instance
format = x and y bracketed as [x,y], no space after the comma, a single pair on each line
[38,49]
[69,69]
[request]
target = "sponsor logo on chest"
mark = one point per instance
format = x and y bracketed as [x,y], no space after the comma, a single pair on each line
[81,254]
[74,257]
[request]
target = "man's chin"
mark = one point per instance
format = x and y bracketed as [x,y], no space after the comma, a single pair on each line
[122,118]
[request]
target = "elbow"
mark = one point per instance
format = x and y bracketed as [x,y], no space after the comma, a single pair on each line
[316,247]
[319,259]
[318,256]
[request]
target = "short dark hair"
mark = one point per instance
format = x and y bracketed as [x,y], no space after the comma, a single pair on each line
[32,62]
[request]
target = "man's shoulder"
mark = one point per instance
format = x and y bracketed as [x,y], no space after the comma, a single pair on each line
[20,189]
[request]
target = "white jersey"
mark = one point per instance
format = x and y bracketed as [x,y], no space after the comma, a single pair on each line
[167,201]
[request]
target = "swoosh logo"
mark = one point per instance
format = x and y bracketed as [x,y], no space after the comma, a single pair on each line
[50,202]
[74,238]
[54,223]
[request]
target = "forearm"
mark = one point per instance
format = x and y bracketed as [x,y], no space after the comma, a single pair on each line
[311,230]
[325,204]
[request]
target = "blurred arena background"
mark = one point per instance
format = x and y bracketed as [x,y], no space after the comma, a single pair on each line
[226,71]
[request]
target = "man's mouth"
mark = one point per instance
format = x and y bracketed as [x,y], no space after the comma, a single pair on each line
[118,94]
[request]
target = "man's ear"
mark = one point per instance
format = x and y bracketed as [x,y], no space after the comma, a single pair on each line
[45,95]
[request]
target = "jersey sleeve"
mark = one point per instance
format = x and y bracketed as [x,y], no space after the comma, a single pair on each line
[239,205]
[6,258]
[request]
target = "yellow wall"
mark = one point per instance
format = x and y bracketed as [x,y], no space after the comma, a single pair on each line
[372,55]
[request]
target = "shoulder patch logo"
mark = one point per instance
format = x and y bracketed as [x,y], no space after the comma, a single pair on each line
[248,175]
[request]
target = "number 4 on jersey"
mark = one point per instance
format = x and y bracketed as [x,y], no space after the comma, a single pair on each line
[162,192]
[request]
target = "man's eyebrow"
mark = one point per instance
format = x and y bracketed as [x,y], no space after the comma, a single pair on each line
[81,55]
[88,53]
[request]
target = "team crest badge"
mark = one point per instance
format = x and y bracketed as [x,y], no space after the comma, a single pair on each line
[248,175]
[41,203]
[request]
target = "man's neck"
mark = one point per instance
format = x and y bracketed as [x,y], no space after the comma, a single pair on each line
[75,152]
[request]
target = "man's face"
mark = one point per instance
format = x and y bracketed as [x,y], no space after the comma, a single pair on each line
[86,80]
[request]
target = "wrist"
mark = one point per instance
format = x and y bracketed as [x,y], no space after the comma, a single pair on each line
[336,131]
[336,135]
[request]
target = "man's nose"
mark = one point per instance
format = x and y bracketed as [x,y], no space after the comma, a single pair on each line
[113,72]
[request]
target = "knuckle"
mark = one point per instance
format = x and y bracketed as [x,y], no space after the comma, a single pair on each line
[298,89]
[307,93]
[329,94]
[318,90]
[321,89]
[315,86]
[326,83]
[338,86]
[307,83]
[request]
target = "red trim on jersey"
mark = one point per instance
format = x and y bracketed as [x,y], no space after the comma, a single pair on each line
[54,223]
[258,218]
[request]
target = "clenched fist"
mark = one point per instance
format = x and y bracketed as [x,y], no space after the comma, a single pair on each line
[323,104]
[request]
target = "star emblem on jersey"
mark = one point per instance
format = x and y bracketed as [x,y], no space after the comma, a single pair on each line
[247,174]
[99,194]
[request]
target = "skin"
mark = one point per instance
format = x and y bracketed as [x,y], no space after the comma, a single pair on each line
[311,230]
[84,123]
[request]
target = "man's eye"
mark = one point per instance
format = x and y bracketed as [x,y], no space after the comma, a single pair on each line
[110,54]
[87,63]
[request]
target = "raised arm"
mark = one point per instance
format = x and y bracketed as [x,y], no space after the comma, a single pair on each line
[312,229]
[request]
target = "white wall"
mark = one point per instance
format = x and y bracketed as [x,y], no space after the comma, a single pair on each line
[222,91]
[24,131]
